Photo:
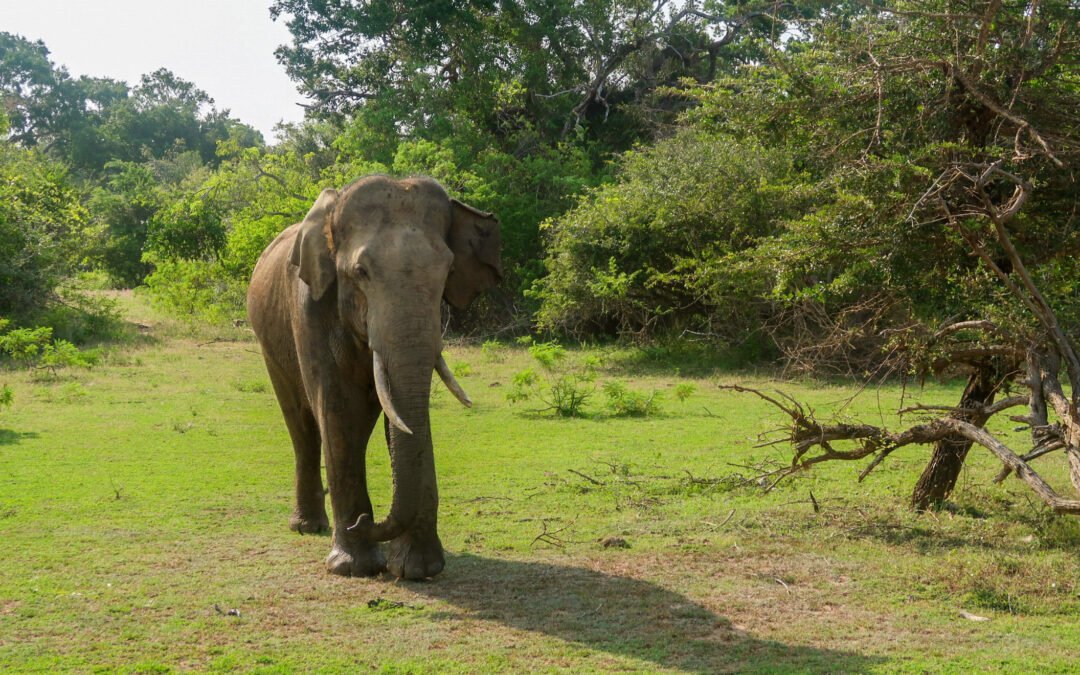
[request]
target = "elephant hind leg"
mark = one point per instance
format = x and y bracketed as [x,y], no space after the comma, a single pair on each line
[309,517]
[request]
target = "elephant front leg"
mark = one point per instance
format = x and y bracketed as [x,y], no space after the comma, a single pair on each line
[418,554]
[345,446]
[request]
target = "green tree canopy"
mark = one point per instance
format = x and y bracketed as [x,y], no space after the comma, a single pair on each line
[43,229]
[88,122]
[902,144]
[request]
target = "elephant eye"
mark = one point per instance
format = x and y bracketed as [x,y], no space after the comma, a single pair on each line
[362,272]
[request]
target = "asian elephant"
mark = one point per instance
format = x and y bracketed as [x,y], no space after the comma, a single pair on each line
[346,308]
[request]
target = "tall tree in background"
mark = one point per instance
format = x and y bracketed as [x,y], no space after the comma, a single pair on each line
[43,228]
[523,71]
[88,122]
[129,146]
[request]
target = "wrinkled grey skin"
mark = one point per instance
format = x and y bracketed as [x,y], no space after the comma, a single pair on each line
[364,273]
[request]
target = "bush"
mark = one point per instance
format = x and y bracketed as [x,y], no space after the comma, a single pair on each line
[197,291]
[43,230]
[562,388]
[683,390]
[493,351]
[36,348]
[656,251]
[624,402]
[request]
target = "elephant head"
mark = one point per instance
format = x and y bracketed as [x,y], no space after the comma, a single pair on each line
[387,252]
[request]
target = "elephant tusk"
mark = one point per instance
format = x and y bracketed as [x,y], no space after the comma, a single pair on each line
[383,390]
[451,383]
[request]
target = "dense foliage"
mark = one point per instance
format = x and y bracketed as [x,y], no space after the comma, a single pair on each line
[871,213]
[43,229]
[126,148]
[801,179]
[660,248]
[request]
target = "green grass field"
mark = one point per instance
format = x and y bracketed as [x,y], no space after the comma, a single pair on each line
[143,500]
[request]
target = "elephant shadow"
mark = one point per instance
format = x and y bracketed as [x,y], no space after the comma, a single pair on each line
[622,616]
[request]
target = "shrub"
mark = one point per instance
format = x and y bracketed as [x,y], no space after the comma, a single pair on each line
[562,388]
[197,290]
[653,252]
[493,351]
[35,348]
[683,390]
[625,402]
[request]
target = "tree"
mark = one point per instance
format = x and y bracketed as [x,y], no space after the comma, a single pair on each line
[43,229]
[655,253]
[124,205]
[523,71]
[947,171]
[88,122]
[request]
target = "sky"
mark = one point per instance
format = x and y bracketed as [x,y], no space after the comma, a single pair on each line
[225,47]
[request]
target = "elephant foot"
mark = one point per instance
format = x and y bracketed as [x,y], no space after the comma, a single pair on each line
[367,561]
[415,555]
[309,523]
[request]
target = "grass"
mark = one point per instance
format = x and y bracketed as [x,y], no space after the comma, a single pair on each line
[143,500]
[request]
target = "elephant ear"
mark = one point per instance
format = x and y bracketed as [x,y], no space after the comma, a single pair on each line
[477,246]
[313,250]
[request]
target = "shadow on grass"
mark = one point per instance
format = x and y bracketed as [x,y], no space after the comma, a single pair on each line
[9,437]
[622,616]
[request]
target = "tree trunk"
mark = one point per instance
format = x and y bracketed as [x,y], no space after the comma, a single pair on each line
[939,476]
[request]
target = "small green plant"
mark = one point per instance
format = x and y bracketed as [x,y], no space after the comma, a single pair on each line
[24,344]
[493,351]
[73,391]
[683,390]
[563,388]
[547,354]
[461,369]
[625,402]
[250,386]
[6,396]
[35,348]
[62,354]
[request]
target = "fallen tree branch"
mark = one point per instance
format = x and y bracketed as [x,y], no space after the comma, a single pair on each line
[805,433]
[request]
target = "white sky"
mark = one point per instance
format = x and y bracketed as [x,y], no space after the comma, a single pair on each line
[225,47]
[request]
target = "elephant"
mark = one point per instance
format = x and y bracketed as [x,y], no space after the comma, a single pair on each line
[346,307]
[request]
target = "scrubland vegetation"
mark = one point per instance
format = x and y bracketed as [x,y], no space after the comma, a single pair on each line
[867,207]
[142,495]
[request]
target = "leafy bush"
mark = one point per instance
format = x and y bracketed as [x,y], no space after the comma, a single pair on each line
[683,390]
[563,389]
[35,348]
[493,351]
[625,402]
[197,290]
[43,229]
[657,250]
[24,345]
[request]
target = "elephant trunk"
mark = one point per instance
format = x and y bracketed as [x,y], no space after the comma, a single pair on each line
[405,390]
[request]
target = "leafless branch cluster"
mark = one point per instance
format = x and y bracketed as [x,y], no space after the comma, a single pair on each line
[1043,355]
[848,342]
[806,434]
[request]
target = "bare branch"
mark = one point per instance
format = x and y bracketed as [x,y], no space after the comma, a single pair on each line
[1022,124]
